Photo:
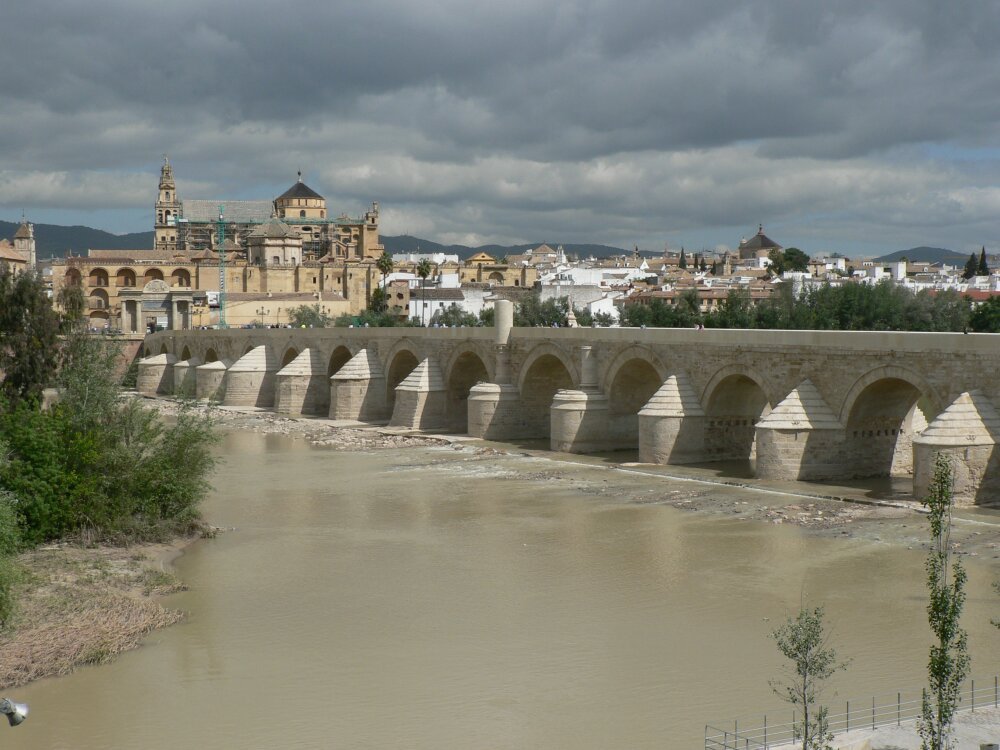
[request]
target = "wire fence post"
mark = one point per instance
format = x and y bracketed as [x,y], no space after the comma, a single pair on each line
[847,718]
[899,708]
[973,696]
[873,713]
[765,731]
[996,691]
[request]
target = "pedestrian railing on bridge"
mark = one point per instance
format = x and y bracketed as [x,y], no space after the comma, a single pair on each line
[864,714]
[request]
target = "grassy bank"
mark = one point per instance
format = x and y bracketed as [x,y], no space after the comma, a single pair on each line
[85,605]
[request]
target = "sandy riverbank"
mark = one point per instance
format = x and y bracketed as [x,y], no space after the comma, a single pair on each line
[85,605]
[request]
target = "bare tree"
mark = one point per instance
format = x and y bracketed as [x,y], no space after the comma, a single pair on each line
[805,644]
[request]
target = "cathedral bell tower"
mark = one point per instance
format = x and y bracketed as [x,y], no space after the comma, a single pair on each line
[24,241]
[167,210]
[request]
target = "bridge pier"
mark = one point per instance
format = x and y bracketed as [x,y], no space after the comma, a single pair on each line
[579,418]
[967,433]
[494,412]
[185,377]
[421,399]
[800,439]
[156,375]
[301,386]
[672,425]
[494,408]
[250,381]
[357,390]
[210,380]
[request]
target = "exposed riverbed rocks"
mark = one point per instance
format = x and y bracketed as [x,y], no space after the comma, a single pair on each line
[320,432]
[818,509]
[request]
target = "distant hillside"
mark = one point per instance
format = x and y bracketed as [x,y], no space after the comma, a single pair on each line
[54,241]
[924,255]
[405,243]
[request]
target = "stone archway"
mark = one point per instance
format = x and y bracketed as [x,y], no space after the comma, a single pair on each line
[340,357]
[735,404]
[467,370]
[545,375]
[633,384]
[290,354]
[403,363]
[884,417]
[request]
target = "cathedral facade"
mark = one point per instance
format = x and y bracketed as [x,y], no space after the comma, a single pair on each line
[192,226]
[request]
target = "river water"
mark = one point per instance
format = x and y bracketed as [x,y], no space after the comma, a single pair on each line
[438,598]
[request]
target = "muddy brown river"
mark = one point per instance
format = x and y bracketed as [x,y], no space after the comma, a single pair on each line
[449,597]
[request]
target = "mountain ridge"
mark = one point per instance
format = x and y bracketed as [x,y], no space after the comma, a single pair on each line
[55,241]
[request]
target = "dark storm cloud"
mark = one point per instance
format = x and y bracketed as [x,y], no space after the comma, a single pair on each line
[506,120]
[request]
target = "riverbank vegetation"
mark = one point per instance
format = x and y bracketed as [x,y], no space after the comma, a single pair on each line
[88,468]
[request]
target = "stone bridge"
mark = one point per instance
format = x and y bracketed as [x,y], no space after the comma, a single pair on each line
[803,405]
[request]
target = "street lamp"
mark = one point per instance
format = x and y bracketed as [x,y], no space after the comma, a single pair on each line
[15,712]
[261,312]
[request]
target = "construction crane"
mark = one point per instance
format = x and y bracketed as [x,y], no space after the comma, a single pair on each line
[221,237]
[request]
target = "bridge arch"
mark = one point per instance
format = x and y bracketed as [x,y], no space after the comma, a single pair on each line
[211,356]
[465,369]
[402,360]
[545,371]
[338,358]
[632,379]
[735,399]
[185,354]
[290,354]
[882,412]
[547,350]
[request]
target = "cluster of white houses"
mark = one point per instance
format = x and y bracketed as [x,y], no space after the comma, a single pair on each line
[269,257]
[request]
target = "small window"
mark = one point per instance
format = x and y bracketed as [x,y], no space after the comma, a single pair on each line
[302,214]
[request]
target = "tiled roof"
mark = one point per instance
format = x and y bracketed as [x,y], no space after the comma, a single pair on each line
[274,228]
[22,233]
[300,190]
[240,212]
[138,254]
[7,253]
[759,241]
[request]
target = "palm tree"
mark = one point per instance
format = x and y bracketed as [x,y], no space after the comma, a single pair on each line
[384,264]
[423,271]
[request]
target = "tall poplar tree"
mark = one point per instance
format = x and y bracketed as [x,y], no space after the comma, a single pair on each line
[983,269]
[29,330]
[948,665]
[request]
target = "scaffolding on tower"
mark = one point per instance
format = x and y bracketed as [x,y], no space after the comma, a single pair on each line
[221,237]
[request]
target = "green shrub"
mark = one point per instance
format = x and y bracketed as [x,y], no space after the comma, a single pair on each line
[10,575]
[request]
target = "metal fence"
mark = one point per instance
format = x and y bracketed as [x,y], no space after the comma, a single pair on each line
[865,714]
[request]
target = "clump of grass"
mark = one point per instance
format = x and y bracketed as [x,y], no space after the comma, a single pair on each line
[81,606]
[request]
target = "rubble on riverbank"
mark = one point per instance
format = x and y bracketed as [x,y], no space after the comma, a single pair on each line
[320,432]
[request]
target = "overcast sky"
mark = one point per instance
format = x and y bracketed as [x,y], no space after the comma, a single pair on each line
[852,126]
